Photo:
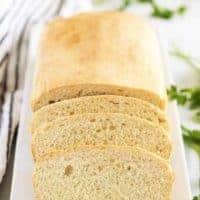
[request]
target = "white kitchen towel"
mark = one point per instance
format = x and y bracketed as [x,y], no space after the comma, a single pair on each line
[16,22]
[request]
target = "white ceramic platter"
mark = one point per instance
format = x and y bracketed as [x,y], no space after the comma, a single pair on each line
[22,183]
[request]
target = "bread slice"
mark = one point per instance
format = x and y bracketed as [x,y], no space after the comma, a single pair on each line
[100,129]
[98,173]
[100,104]
[98,53]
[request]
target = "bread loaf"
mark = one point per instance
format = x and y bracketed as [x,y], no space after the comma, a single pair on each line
[96,54]
[105,134]
[100,129]
[98,173]
[100,104]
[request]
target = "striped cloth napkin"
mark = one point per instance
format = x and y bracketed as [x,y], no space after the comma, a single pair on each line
[16,21]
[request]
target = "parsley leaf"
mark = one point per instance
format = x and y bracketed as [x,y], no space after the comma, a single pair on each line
[181,10]
[166,13]
[175,94]
[191,96]
[188,96]
[196,197]
[192,138]
[196,117]
[160,12]
[157,11]
[125,4]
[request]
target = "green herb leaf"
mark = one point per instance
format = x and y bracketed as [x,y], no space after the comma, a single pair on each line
[191,96]
[192,138]
[194,101]
[193,134]
[196,117]
[166,13]
[181,10]
[188,96]
[160,12]
[196,197]
[125,4]
[175,94]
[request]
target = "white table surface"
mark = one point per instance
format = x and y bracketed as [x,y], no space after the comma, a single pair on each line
[185,33]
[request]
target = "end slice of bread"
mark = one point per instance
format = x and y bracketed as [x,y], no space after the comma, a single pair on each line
[100,129]
[100,104]
[98,173]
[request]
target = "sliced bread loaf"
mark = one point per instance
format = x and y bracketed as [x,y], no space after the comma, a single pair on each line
[100,104]
[98,173]
[100,129]
[96,54]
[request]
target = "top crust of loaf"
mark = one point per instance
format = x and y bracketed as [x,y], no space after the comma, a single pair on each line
[98,53]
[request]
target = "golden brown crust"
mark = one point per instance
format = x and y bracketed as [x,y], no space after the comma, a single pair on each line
[105,51]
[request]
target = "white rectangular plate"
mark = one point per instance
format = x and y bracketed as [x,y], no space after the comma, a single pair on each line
[22,183]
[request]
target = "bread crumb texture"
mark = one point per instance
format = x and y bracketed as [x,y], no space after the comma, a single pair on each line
[103,173]
[100,129]
[100,104]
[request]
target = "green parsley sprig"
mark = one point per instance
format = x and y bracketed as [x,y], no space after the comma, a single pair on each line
[192,138]
[190,96]
[125,4]
[196,197]
[157,10]
[165,13]
[175,94]
[187,96]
